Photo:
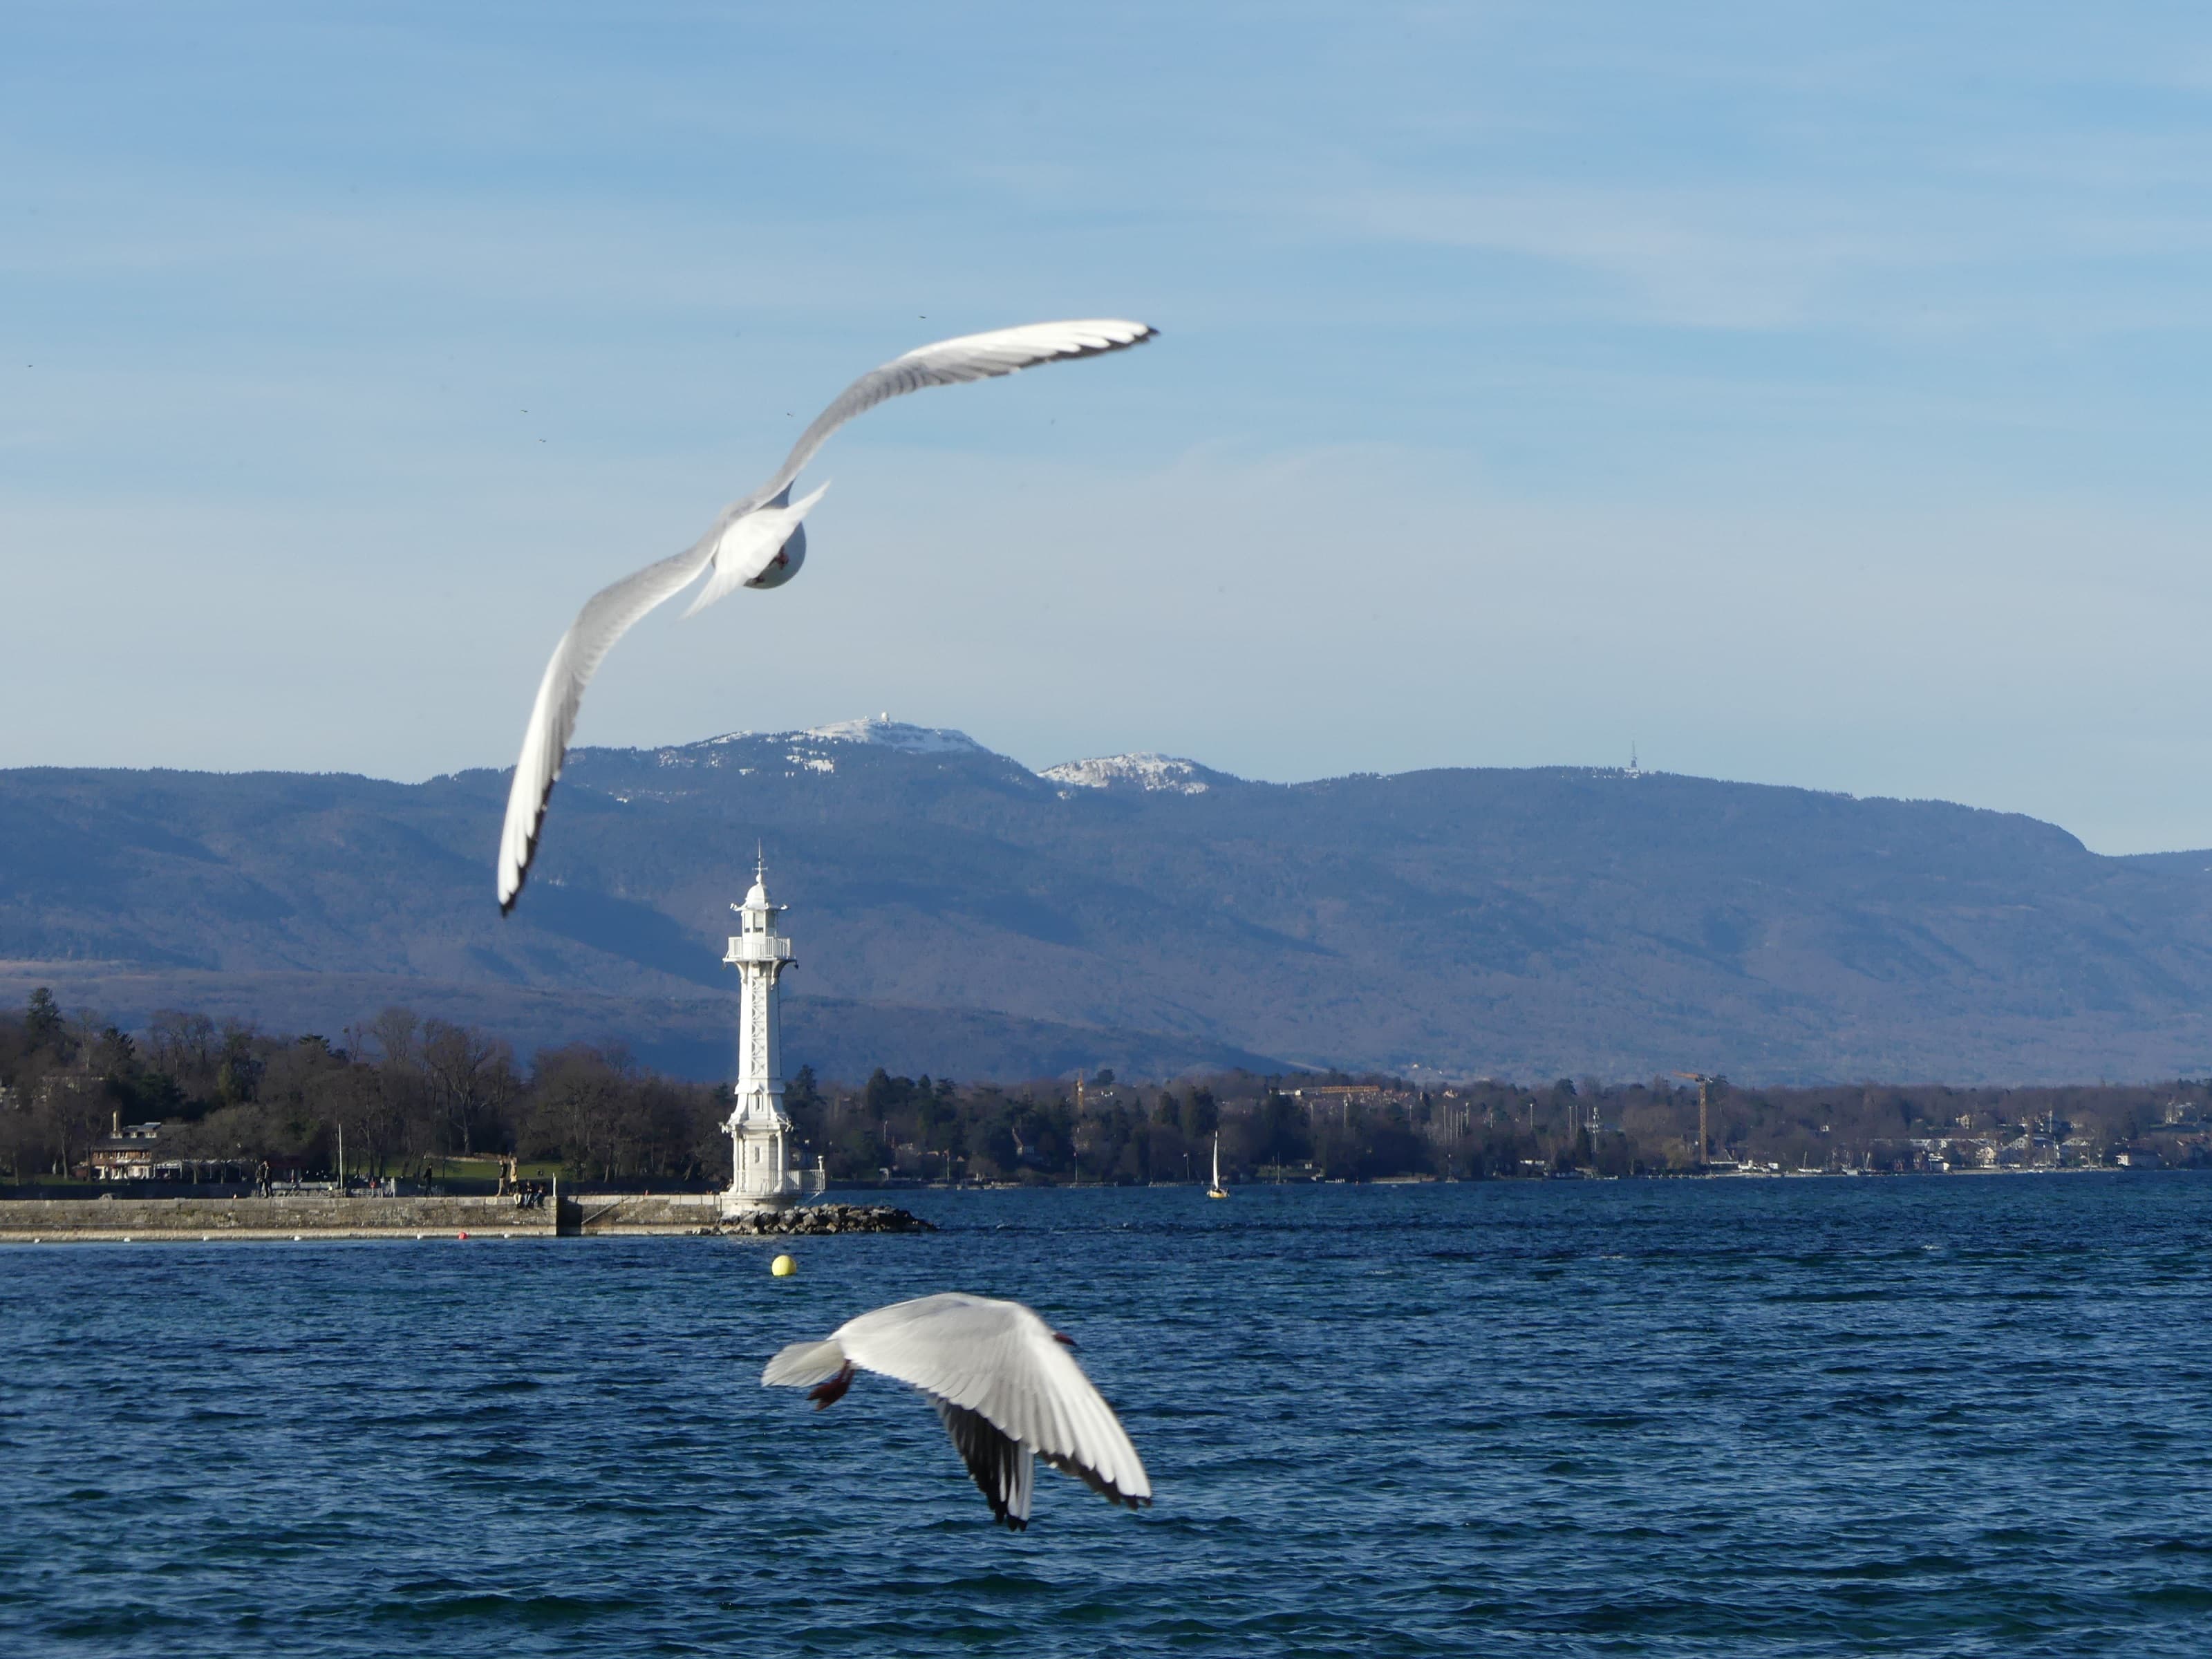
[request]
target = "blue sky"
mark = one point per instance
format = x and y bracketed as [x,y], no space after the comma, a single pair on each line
[1808,393]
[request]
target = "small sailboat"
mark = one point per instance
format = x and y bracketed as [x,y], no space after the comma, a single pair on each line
[1217,1190]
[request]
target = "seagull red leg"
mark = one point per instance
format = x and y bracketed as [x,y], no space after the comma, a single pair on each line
[830,1393]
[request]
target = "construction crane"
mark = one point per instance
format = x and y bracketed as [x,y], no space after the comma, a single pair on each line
[1705,1086]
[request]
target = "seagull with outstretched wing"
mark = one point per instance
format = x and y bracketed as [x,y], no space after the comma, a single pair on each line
[758,541]
[1004,1382]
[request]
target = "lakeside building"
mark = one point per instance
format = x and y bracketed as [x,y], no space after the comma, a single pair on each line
[126,1153]
[134,1152]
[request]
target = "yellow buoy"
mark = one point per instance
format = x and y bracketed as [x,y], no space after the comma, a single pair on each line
[783,1266]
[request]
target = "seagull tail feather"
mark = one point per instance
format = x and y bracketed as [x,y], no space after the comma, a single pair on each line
[804,1362]
[750,544]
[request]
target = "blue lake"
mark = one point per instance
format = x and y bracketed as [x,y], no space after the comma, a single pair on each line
[1910,1416]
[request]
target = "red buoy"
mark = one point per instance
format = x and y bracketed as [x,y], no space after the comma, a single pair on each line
[460,1234]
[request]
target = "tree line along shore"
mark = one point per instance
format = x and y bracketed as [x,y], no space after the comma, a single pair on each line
[191,1098]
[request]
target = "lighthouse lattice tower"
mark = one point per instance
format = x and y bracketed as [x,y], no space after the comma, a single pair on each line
[759,1131]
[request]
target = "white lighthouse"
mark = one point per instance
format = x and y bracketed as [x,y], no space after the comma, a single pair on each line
[760,1133]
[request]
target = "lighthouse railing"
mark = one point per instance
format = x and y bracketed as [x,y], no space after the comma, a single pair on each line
[759,947]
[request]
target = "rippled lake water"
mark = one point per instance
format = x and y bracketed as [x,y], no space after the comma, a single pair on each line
[1909,1416]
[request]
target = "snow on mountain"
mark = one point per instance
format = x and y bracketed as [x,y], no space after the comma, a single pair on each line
[814,749]
[1148,772]
[881,729]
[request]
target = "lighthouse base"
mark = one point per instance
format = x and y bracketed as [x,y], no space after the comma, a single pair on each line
[731,1204]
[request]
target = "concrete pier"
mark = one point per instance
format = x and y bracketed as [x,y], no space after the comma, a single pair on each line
[319,1215]
[323,1215]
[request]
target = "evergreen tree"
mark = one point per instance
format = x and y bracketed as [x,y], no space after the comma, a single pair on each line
[43,1026]
[803,1092]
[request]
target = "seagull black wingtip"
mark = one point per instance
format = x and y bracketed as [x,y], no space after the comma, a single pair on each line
[529,850]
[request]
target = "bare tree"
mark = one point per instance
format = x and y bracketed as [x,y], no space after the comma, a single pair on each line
[471,1079]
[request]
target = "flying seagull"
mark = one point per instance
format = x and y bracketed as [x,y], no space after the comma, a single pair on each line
[756,541]
[1002,1379]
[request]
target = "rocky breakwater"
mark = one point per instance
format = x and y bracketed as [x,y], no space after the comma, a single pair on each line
[593,1215]
[828,1218]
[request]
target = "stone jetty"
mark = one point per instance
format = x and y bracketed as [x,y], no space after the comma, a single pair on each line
[326,1215]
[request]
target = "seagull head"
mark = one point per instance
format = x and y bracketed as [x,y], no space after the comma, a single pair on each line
[785,565]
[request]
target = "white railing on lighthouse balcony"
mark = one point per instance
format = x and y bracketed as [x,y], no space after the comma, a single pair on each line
[759,947]
[801,1181]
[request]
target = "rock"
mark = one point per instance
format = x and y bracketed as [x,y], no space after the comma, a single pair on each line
[832,1219]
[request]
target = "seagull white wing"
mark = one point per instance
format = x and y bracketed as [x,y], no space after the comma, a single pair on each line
[740,552]
[1007,1387]
[949,362]
[606,617]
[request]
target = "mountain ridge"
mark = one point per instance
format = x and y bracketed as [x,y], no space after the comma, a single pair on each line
[1447,922]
